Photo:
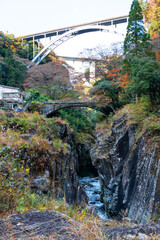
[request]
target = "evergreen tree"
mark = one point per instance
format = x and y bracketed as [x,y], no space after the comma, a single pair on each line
[137,40]
[12,72]
[145,75]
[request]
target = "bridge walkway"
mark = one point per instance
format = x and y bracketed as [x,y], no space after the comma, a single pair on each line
[49,108]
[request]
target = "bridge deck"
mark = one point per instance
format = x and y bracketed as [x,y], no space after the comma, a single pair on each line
[49,108]
[81,59]
[59,31]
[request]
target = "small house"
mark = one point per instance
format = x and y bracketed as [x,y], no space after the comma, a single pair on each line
[11,97]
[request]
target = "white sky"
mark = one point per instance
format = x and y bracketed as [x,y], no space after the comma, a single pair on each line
[22,17]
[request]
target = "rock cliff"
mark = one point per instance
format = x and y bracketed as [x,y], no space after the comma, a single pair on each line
[59,176]
[46,152]
[128,167]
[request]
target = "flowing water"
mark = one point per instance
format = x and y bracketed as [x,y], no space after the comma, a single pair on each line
[93,189]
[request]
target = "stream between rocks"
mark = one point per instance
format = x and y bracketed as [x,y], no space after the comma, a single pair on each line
[93,190]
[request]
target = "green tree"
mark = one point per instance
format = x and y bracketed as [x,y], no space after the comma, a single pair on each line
[12,72]
[35,95]
[14,44]
[137,40]
[77,119]
[106,89]
[145,78]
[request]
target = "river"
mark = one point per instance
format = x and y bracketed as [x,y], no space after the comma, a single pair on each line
[93,189]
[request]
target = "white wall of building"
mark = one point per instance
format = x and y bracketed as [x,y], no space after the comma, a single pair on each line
[6,89]
[11,95]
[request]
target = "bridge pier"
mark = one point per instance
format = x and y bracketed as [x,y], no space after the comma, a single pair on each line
[33,47]
[92,69]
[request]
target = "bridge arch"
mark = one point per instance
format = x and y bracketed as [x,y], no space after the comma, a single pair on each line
[50,108]
[65,37]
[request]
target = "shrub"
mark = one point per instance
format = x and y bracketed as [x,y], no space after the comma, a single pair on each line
[35,106]
[12,179]
[16,123]
[60,146]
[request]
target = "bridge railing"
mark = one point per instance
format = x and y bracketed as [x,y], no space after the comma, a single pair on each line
[67,102]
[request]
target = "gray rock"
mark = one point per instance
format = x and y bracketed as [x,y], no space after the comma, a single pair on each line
[129,172]
[55,174]
[56,225]
[40,185]
[39,224]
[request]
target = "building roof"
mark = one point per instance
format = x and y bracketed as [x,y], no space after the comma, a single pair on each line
[9,87]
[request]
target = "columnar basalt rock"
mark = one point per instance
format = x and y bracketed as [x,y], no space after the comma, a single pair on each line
[129,171]
[58,177]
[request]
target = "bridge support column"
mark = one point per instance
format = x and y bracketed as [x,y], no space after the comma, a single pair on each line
[28,50]
[38,45]
[33,47]
[92,71]
[83,67]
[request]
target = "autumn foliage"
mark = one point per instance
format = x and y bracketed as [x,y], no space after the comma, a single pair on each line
[152,15]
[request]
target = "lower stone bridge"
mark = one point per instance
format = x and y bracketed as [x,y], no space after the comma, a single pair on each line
[49,108]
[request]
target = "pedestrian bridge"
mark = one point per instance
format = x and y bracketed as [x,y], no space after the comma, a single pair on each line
[50,108]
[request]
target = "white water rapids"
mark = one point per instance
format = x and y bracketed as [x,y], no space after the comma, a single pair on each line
[93,189]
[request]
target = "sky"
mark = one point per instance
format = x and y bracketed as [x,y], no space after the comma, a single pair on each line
[22,17]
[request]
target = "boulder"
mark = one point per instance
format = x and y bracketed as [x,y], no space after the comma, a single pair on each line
[56,225]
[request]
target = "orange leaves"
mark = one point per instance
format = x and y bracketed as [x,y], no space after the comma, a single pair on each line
[123,80]
[151,11]
[116,69]
[6,44]
[155,35]
[158,56]
[112,75]
[54,59]
[114,72]
[118,78]
[13,49]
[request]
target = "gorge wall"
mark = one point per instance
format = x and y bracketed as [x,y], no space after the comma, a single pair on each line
[59,176]
[128,168]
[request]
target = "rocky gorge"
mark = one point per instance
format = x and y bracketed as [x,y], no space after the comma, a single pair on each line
[124,159]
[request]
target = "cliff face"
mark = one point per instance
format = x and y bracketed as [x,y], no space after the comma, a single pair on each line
[59,177]
[129,171]
[45,150]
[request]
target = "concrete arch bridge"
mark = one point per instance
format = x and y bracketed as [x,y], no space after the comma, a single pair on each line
[50,108]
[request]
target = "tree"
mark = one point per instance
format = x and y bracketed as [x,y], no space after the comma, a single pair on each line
[78,119]
[12,72]
[107,86]
[8,41]
[35,95]
[145,75]
[152,15]
[137,40]
[51,79]
[140,61]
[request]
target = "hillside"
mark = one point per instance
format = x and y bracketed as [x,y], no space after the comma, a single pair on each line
[43,76]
